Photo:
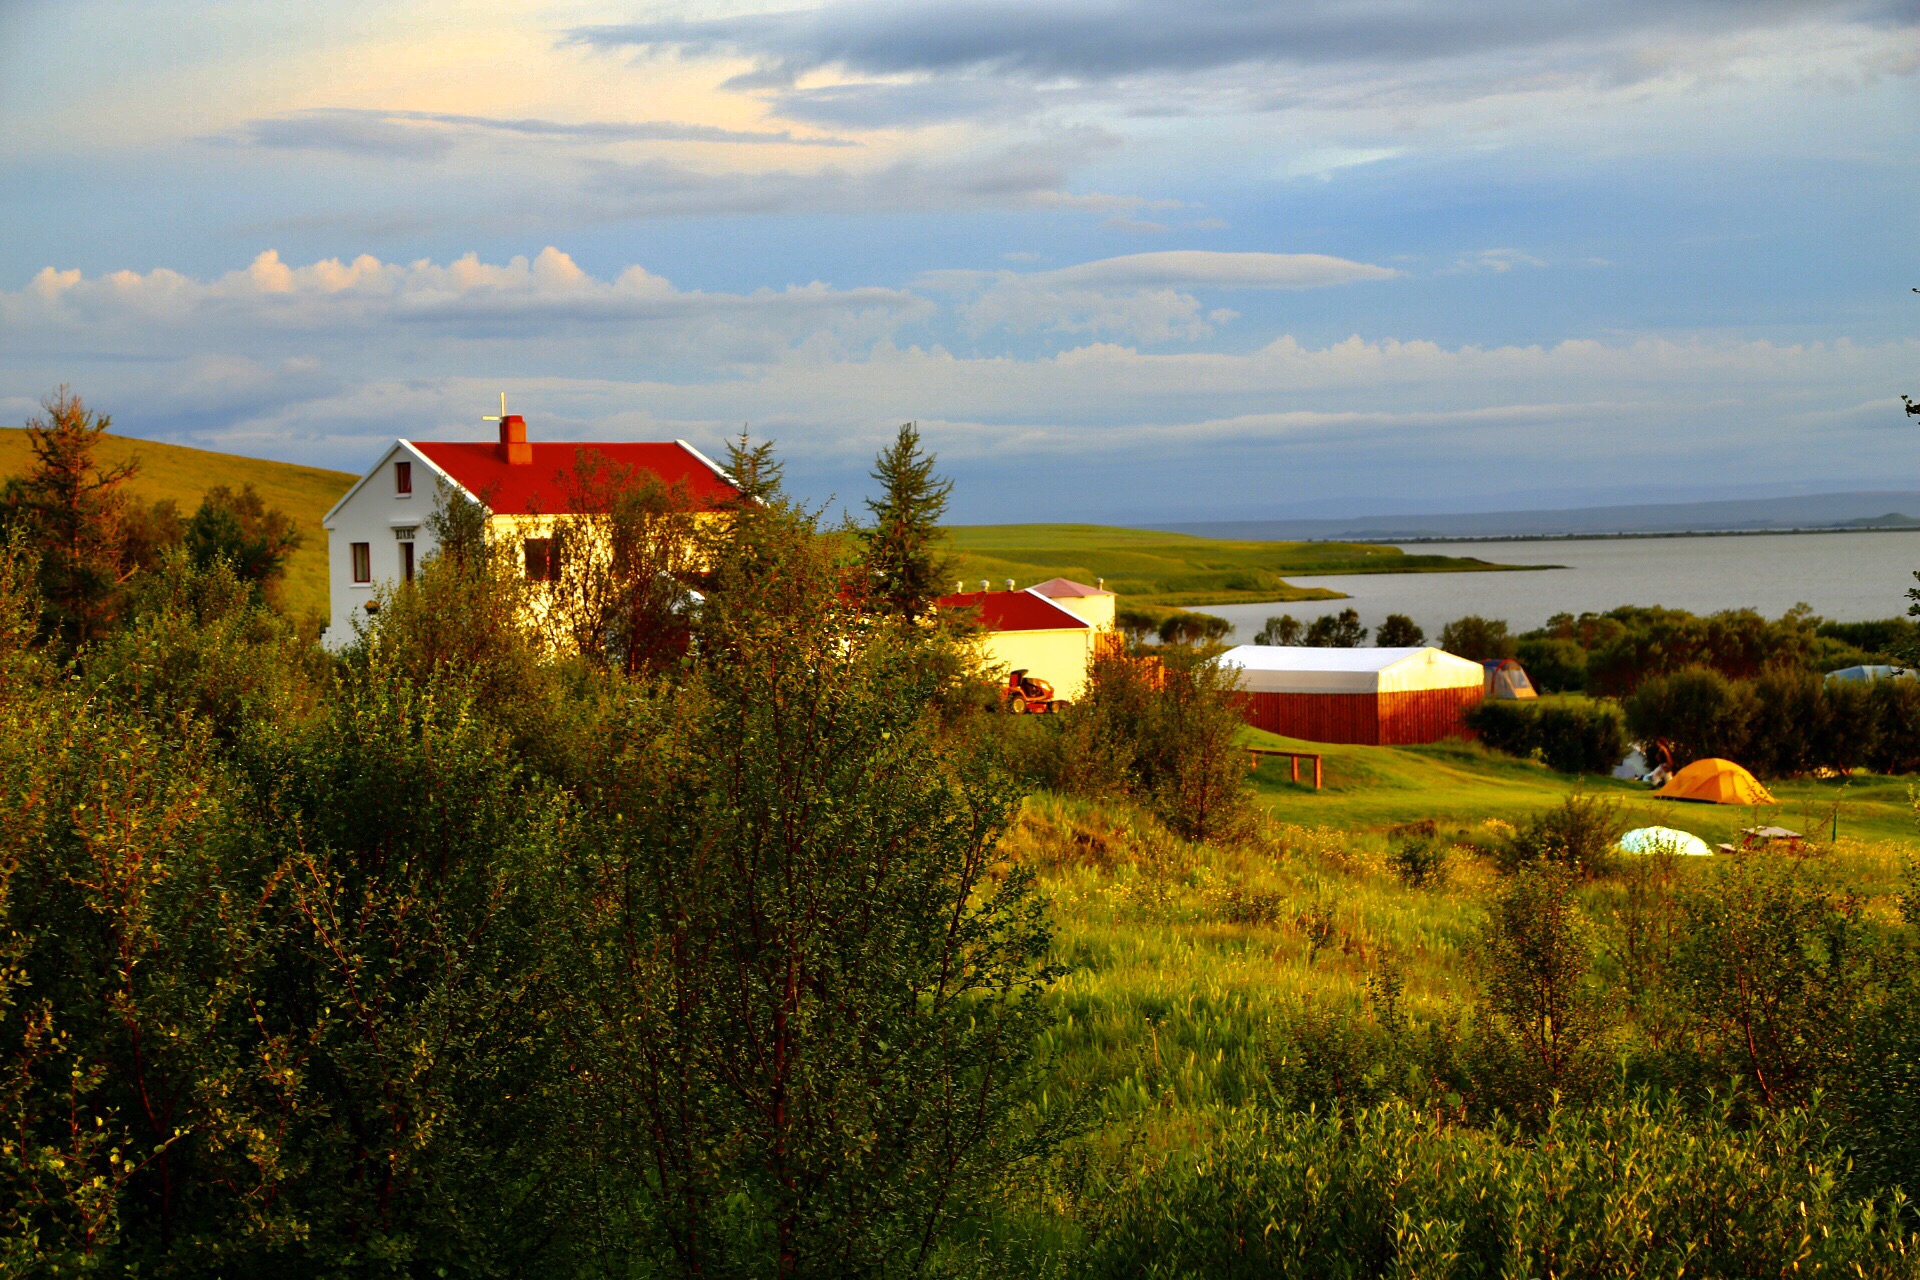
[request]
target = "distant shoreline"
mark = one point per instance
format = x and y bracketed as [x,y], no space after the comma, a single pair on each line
[1387,540]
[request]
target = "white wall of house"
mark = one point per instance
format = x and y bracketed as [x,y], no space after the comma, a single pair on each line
[374,512]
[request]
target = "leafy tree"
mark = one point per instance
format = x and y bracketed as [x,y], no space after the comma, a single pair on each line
[1283,630]
[624,556]
[72,511]
[1477,638]
[808,993]
[905,571]
[1555,665]
[1399,632]
[253,538]
[1336,631]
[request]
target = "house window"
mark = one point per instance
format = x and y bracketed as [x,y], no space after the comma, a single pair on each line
[406,562]
[403,479]
[543,560]
[363,562]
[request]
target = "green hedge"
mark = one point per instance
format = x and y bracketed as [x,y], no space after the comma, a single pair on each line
[1572,739]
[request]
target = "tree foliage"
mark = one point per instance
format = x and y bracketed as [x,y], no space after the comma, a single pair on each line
[905,569]
[72,510]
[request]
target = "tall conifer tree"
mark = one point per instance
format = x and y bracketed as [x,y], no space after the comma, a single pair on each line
[906,571]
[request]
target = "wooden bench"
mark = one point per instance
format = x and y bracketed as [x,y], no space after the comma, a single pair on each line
[1293,757]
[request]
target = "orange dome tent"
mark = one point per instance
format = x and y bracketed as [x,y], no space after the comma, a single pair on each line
[1715,781]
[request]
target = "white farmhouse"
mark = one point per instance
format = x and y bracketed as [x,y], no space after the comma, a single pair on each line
[377,534]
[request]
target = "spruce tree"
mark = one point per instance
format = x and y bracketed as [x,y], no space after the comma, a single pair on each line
[906,572]
[70,510]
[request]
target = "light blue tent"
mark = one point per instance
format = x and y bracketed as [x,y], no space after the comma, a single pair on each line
[1664,840]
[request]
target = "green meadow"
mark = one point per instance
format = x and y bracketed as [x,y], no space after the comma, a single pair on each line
[183,475]
[1147,567]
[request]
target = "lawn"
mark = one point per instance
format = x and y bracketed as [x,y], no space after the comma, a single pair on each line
[1155,568]
[183,474]
[1372,788]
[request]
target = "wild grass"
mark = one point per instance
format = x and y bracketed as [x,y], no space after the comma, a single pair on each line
[1218,998]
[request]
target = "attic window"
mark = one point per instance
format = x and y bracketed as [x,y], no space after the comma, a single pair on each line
[403,479]
[543,560]
[363,562]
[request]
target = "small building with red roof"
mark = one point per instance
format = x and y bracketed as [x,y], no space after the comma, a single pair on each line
[377,534]
[1034,630]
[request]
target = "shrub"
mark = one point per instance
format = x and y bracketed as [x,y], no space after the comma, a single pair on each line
[1419,858]
[1896,718]
[1589,739]
[1555,665]
[1159,727]
[1540,1024]
[1579,834]
[1775,968]
[1576,739]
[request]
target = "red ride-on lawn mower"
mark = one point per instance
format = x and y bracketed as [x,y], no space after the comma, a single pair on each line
[1030,695]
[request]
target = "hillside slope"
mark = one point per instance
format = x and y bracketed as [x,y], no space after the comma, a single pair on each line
[183,474]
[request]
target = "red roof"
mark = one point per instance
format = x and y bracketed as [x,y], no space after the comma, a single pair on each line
[1015,611]
[509,490]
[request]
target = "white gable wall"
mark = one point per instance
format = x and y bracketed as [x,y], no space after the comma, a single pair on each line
[372,512]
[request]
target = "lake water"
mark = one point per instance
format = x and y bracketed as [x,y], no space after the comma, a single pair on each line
[1848,577]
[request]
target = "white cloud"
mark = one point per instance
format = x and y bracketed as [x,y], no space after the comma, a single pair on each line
[466,297]
[1141,295]
[316,361]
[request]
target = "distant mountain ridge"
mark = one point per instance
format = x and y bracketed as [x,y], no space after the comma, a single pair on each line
[1865,510]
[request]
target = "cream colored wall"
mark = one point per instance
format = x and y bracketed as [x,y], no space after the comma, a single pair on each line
[1097,610]
[1058,657]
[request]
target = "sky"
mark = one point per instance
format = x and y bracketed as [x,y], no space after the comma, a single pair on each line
[1128,262]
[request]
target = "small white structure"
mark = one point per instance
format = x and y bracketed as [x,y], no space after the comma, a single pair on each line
[1379,697]
[1868,674]
[378,535]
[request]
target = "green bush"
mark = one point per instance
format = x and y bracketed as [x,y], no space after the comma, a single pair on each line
[1554,665]
[1155,725]
[1571,739]
[1579,834]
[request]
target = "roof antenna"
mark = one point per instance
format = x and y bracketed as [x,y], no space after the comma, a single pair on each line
[503,411]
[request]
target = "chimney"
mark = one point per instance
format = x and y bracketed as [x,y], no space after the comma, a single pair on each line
[514,449]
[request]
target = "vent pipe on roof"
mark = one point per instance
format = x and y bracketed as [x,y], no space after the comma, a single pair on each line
[1009,584]
[985,585]
[514,449]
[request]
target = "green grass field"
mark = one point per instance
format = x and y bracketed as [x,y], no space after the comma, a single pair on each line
[1154,568]
[183,474]
[1372,788]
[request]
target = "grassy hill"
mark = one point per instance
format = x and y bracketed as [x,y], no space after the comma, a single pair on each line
[1157,568]
[183,474]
